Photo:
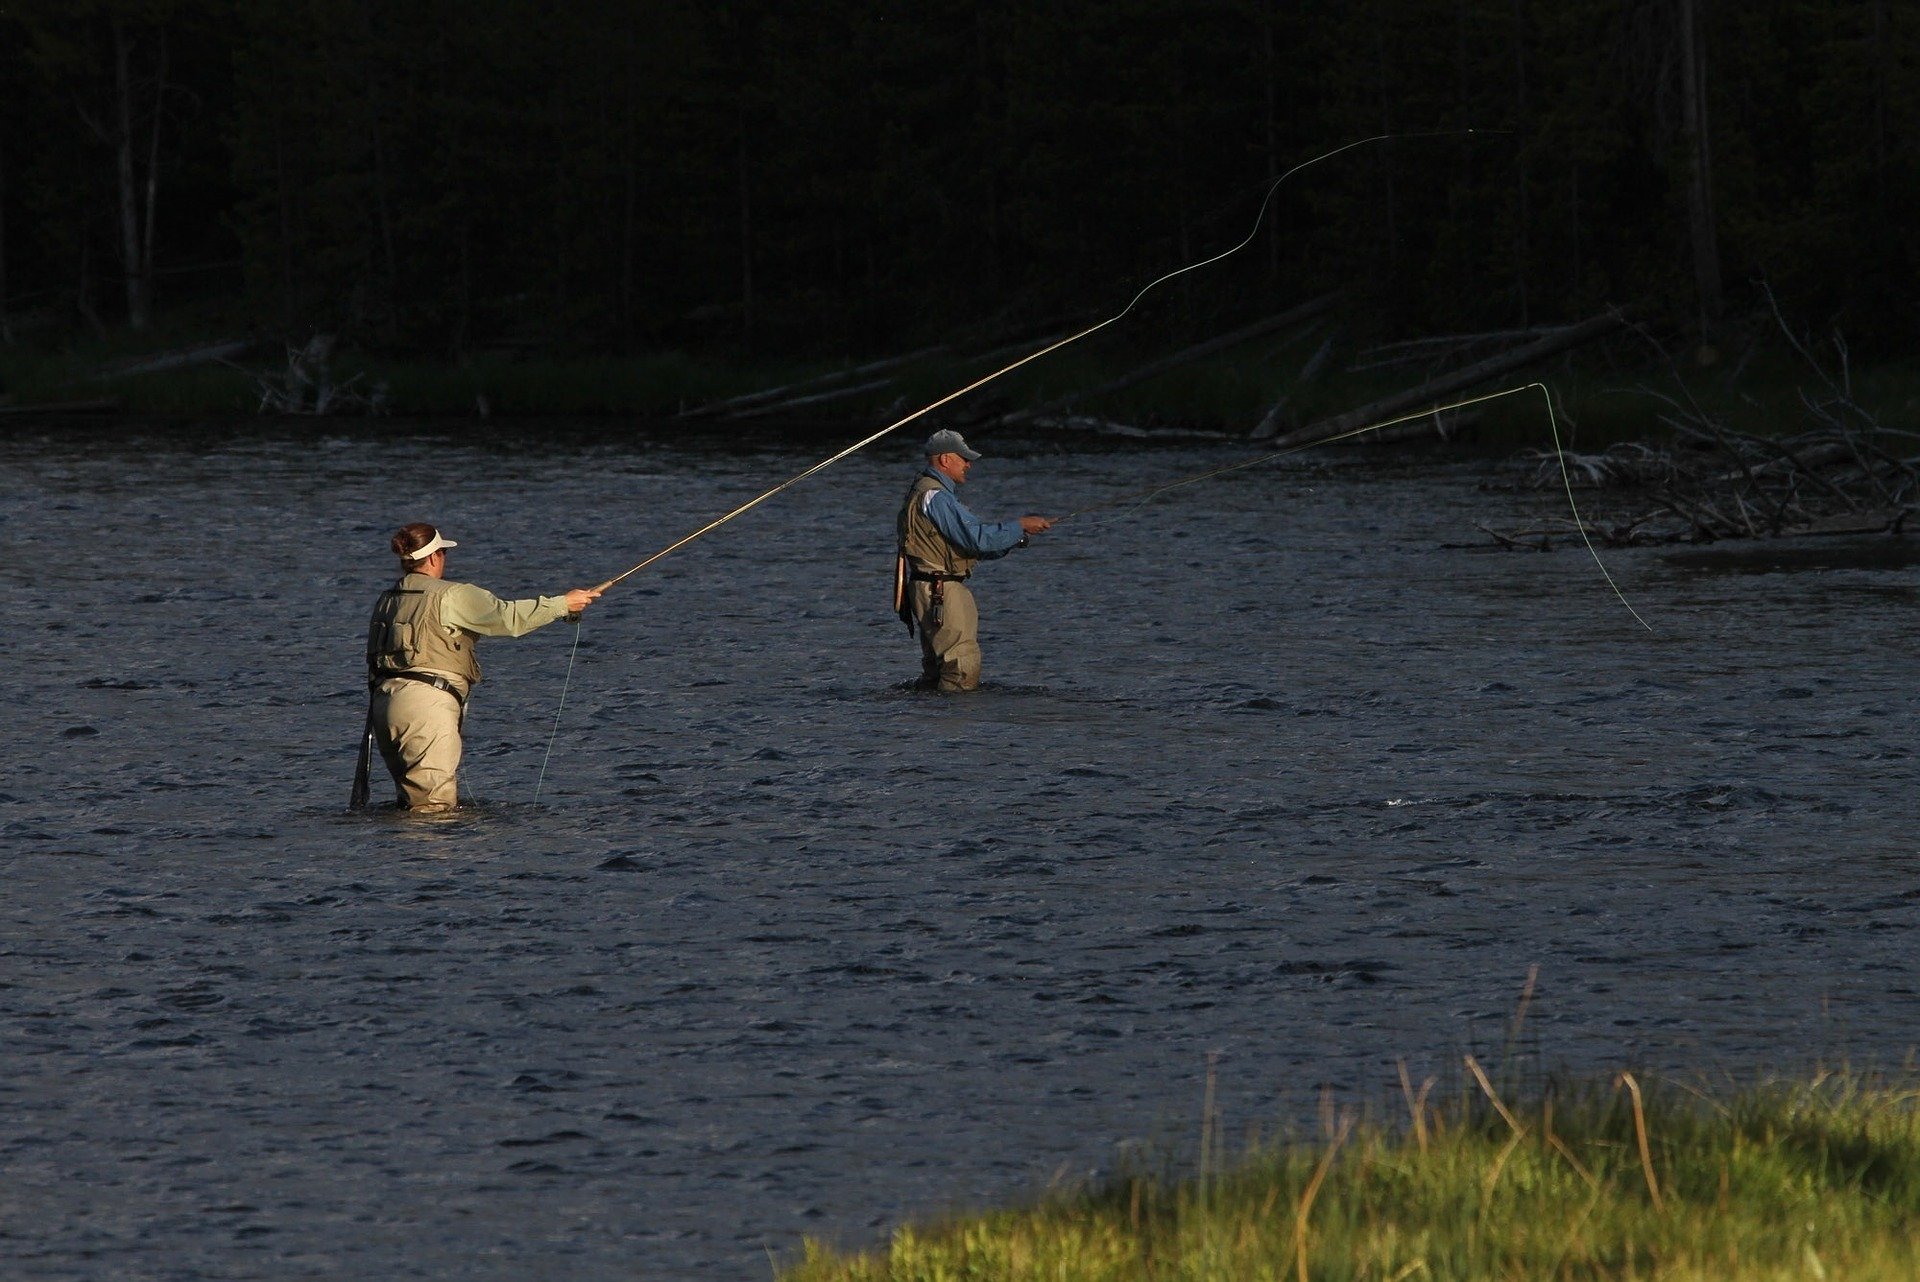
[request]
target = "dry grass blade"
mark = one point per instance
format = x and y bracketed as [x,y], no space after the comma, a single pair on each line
[1416,1104]
[1480,1076]
[1640,1133]
[1305,1206]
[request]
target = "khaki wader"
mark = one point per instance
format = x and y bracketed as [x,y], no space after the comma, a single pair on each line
[417,724]
[943,612]
[949,636]
[417,728]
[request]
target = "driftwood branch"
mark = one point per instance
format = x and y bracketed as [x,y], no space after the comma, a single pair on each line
[1413,398]
[1415,351]
[309,387]
[1306,311]
[817,398]
[1844,474]
[204,354]
[1276,414]
[772,400]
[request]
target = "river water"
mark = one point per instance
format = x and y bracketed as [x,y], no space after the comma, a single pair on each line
[1264,770]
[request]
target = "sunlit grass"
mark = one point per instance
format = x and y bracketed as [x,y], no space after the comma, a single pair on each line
[1818,1179]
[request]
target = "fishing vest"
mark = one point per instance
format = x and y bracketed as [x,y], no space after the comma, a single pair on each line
[406,633]
[923,547]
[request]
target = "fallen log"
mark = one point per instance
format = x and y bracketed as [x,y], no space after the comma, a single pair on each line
[1270,421]
[800,391]
[1411,351]
[1443,426]
[818,398]
[1875,521]
[205,354]
[1460,380]
[63,407]
[1223,342]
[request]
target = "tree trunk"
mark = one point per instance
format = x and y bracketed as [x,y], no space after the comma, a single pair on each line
[383,210]
[1520,250]
[1268,75]
[1693,103]
[6,323]
[1385,153]
[387,297]
[1574,268]
[561,259]
[130,252]
[83,296]
[153,174]
[746,228]
[629,195]
[464,313]
[284,198]
[1881,80]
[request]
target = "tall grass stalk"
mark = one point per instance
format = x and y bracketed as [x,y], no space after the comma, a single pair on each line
[1629,1179]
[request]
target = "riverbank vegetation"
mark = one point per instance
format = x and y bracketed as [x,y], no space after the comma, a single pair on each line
[1228,393]
[1811,1179]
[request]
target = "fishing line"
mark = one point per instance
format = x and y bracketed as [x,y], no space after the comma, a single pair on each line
[564,686]
[1566,480]
[924,410]
[1553,427]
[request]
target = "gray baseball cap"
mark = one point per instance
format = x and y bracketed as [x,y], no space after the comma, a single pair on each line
[948,441]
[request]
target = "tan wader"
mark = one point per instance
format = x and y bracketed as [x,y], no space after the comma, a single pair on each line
[418,729]
[943,613]
[949,636]
[416,724]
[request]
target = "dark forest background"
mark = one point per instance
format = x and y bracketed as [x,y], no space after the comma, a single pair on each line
[839,178]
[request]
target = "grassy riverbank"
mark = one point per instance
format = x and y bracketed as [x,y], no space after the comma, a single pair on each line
[1817,1180]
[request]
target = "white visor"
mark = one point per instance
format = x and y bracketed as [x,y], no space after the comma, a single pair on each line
[433,545]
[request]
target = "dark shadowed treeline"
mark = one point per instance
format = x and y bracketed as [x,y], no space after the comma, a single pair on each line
[851,176]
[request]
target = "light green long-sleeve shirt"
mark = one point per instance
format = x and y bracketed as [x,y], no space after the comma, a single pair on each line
[474,609]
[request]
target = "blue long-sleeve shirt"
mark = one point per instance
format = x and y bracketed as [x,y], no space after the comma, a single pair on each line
[967,532]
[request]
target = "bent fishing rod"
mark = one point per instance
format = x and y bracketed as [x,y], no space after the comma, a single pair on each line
[1553,427]
[1049,348]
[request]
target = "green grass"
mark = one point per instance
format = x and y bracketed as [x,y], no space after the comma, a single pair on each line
[1818,1179]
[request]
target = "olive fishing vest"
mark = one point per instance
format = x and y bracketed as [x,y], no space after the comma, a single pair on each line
[926,549]
[406,633]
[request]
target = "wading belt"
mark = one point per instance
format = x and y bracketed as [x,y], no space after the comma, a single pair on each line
[425,678]
[936,602]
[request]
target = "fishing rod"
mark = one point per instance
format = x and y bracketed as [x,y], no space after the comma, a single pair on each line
[1055,346]
[1566,479]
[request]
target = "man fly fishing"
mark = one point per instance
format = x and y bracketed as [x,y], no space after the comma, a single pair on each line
[940,543]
